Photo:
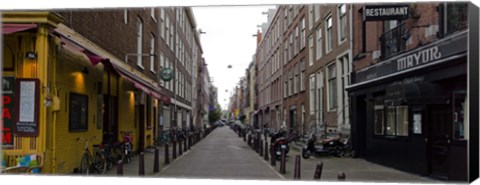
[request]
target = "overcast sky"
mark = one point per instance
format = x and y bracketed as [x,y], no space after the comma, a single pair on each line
[228,41]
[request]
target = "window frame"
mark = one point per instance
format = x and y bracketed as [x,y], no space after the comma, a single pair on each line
[82,97]
[332,86]
[328,34]
[140,43]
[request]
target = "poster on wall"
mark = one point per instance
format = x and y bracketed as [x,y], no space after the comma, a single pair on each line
[26,106]
[8,94]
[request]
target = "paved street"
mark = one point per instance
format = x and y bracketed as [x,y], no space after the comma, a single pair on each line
[223,155]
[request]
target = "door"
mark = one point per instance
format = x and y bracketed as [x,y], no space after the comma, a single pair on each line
[141,123]
[110,116]
[439,139]
[293,117]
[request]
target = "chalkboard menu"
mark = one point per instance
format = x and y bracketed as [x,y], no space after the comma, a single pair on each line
[26,106]
[78,114]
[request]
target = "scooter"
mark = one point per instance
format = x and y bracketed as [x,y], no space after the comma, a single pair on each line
[332,146]
[280,142]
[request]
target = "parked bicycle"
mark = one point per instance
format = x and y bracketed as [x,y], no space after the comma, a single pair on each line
[92,162]
[127,146]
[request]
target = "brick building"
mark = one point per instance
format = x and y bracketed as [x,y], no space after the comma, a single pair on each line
[408,89]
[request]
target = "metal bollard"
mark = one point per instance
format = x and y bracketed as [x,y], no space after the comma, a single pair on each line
[283,162]
[190,141]
[180,151]
[296,174]
[141,166]
[260,148]
[174,150]
[272,152]
[119,167]
[155,161]
[266,151]
[341,176]
[167,160]
[185,144]
[244,137]
[318,171]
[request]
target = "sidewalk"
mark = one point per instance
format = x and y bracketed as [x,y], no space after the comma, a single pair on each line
[132,169]
[355,169]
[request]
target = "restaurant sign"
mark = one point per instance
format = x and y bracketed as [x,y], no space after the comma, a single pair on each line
[385,12]
[8,123]
[436,51]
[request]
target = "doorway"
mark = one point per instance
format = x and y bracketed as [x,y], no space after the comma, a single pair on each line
[293,116]
[110,116]
[439,129]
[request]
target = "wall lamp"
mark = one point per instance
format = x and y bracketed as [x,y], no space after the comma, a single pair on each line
[85,70]
[32,55]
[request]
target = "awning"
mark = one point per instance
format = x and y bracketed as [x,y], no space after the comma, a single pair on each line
[142,84]
[13,28]
[74,46]
[95,59]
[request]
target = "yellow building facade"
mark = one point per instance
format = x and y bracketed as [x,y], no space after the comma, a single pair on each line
[67,78]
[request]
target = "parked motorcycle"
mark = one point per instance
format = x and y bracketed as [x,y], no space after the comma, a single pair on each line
[280,142]
[334,146]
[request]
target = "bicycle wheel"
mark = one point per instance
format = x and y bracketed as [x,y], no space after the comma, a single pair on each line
[84,165]
[100,163]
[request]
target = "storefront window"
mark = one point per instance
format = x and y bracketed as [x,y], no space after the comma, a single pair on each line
[402,121]
[458,116]
[378,120]
[390,125]
[396,122]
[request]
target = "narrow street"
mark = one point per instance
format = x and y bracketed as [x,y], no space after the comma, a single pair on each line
[220,155]
[224,155]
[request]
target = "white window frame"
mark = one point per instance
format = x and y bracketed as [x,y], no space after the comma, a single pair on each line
[139,42]
[310,17]
[319,48]
[125,16]
[330,100]
[340,22]
[311,94]
[167,31]
[328,34]
[152,14]
[152,53]
[302,34]
[302,75]
[310,50]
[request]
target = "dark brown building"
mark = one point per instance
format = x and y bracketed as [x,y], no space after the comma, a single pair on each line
[409,87]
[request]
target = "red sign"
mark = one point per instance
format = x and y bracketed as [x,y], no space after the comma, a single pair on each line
[7,122]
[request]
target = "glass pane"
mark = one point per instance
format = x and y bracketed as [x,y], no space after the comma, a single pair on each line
[402,121]
[390,121]
[378,119]
[456,16]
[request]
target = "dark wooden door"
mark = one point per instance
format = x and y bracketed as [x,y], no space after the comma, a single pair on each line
[141,123]
[439,139]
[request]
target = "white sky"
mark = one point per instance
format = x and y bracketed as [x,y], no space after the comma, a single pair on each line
[228,41]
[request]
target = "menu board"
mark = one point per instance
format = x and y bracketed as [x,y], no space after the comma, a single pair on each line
[27,107]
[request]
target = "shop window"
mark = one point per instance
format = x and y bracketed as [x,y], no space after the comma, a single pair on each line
[459,103]
[378,121]
[455,17]
[78,114]
[397,121]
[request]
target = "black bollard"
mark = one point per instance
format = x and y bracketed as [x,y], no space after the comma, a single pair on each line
[266,151]
[283,162]
[141,166]
[261,148]
[180,151]
[341,176]
[318,171]
[296,173]
[167,160]
[272,152]
[155,161]
[174,150]
[185,144]
[189,142]
[119,167]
